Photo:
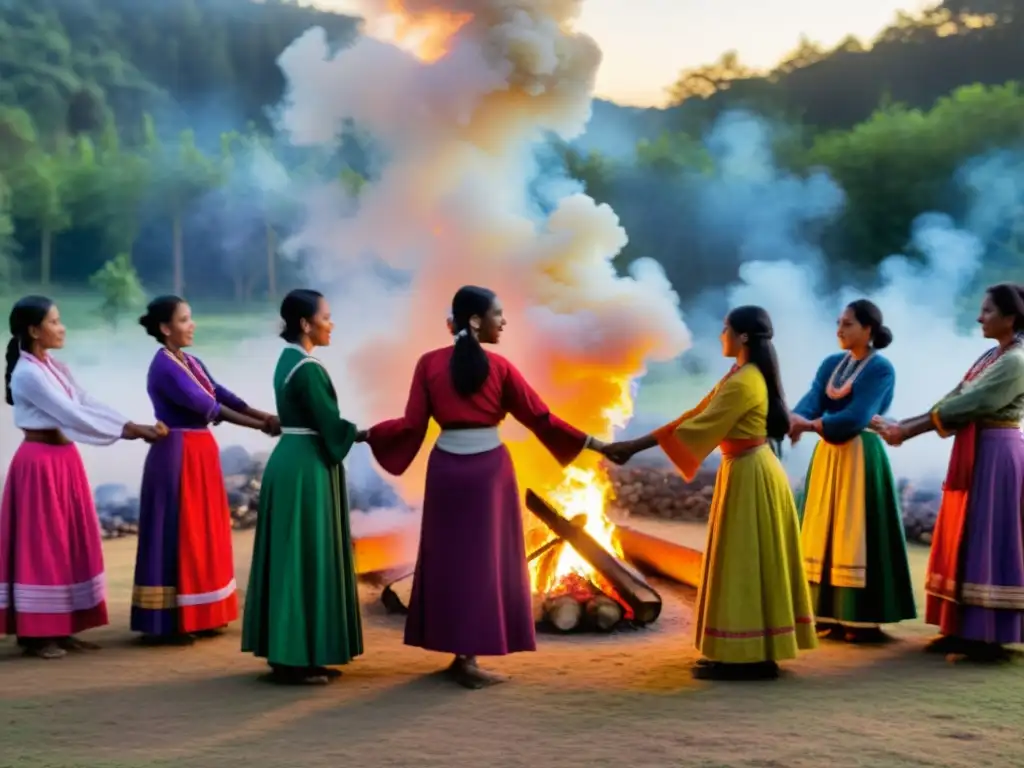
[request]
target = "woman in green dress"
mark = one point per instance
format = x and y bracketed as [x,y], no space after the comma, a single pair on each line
[302,607]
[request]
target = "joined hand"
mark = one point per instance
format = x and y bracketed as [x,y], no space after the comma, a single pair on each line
[618,453]
[890,431]
[271,425]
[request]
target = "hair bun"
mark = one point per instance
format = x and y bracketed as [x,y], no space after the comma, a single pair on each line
[882,337]
[144,320]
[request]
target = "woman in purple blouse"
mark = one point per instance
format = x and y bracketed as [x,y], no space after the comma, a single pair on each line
[184,571]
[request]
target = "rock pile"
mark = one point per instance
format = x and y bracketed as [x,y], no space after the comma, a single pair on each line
[659,491]
[118,507]
[652,491]
[640,489]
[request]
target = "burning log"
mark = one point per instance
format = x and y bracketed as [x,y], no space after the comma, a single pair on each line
[656,555]
[627,584]
[396,595]
[603,613]
[564,612]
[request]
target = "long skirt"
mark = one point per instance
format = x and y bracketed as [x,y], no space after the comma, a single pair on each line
[184,569]
[753,604]
[975,580]
[471,591]
[855,552]
[51,555]
[302,605]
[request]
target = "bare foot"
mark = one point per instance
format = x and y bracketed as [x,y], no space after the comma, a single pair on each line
[295,676]
[74,644]
[491,677]
[47,650]
[486,675]
[329,672]
[466,674]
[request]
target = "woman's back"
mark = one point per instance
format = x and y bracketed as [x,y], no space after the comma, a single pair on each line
[749,404]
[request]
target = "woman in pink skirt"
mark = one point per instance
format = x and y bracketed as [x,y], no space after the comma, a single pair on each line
[51,560]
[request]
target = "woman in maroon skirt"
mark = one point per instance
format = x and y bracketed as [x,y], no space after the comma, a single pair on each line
[975,578]
[471,591]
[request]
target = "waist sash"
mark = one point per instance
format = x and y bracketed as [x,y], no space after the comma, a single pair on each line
[465,442]
[740,446]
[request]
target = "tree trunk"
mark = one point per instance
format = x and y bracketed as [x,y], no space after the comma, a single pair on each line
[45,256]
[271,263]
[178,254]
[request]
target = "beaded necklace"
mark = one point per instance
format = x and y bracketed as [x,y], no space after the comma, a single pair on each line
[840,384]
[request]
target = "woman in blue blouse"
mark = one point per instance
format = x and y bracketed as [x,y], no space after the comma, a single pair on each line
[855,555]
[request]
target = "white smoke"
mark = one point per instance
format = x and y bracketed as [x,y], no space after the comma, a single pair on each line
[457,122]
[778,216]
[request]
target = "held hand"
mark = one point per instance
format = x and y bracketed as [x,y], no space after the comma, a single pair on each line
[879,423]
[618,453]
[362,435]
[797,426]
[271,425]
[892,434]
[151,434]
[161,430]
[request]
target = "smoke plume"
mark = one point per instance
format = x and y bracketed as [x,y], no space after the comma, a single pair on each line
[775,221]
[457,95]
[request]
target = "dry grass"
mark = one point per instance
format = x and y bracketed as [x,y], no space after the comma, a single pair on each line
[622,700]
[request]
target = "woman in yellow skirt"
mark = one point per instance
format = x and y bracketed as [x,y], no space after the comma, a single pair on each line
[754,604]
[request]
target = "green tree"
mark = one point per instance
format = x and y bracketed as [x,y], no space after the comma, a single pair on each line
[119,285]
[593,169]
[704,82]
[39,187]
[181,175]
[257,191]
[673,153]
[127,176]
[8,245]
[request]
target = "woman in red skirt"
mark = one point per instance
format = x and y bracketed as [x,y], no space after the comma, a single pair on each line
[185,572]
[51,561]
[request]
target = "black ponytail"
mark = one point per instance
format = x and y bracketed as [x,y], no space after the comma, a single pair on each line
[757,325]
[469,366]
[27,312]
[13,353]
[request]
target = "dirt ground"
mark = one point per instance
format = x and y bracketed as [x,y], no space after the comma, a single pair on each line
[622,700]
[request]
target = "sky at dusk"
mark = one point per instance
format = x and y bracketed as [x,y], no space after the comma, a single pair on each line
[646,46]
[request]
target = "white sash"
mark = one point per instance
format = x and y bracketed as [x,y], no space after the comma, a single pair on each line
[465,442]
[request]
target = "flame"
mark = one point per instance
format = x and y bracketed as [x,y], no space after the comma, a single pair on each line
[585,491]
[428,34]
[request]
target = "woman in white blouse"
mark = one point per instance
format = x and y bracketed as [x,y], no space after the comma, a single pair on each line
[51,559]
